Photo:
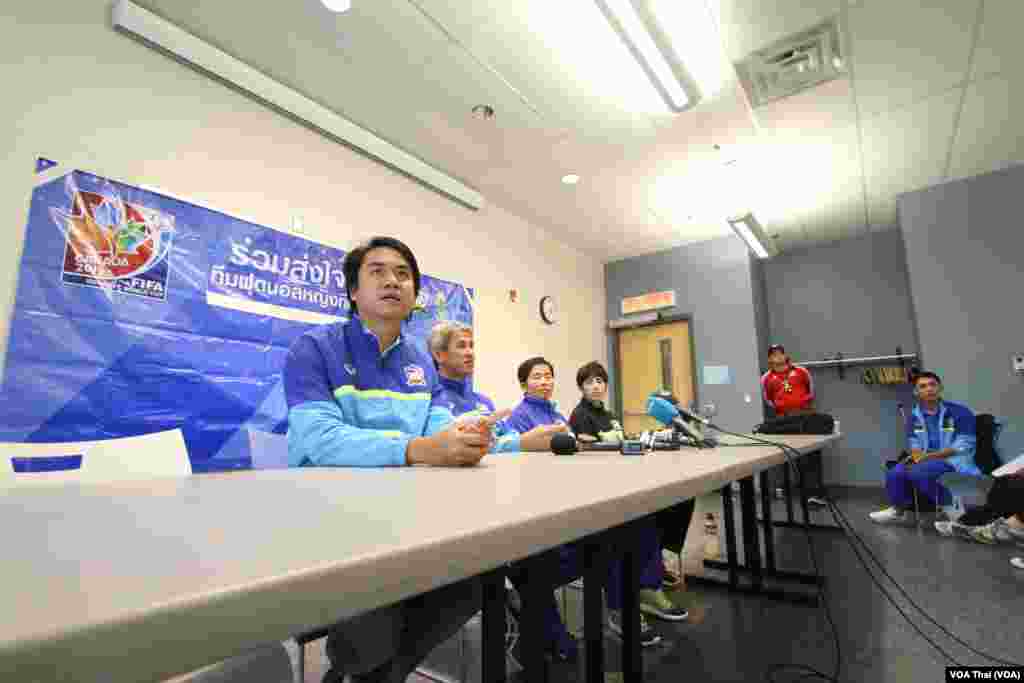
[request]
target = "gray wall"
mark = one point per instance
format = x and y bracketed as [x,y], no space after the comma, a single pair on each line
[713,283]
[850,297]
[964,256]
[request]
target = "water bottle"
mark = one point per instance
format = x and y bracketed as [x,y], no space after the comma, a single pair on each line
[712,546]
[835,427]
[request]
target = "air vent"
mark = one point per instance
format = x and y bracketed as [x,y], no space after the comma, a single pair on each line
[793,64]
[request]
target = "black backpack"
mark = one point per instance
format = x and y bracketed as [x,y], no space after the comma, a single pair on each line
[814,423]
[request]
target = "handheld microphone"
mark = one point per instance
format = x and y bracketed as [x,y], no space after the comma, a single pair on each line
[566,444]
[670,416]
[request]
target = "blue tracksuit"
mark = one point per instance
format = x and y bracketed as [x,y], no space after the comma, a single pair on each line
[952,427]
[351,405]
[459,398]
[534,412]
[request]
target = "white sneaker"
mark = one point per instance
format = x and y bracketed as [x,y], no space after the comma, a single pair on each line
[1017,562]
[944,528]
[889,515]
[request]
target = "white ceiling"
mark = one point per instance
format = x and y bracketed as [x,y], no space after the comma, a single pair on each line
[932,93]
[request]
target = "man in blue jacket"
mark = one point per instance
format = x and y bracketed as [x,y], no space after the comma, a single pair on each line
[360,395]
[451,345]
[537,379]
[941,437]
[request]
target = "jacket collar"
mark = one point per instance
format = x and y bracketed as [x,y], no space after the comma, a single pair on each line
[458,386]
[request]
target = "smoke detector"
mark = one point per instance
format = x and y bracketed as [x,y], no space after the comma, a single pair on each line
[793,64]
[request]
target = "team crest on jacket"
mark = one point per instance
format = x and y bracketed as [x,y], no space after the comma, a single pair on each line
[414,376]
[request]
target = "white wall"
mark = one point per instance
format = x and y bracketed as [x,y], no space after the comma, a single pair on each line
[74,89]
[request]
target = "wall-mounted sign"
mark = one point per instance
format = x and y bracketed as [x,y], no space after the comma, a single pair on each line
[649,302]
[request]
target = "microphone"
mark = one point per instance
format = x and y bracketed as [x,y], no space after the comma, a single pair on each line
[681,411]
[566,444]
[670,416]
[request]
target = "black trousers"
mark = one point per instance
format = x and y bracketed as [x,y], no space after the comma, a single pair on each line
[1006,498]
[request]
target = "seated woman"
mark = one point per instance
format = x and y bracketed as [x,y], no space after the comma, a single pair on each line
[592,421]
[942,437]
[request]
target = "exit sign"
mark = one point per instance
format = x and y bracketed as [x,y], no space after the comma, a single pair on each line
[649,302]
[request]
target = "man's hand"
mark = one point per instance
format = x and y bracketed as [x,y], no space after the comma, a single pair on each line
[539,438]
[463,444]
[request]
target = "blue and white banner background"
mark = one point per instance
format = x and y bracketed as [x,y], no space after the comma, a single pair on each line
[136,313]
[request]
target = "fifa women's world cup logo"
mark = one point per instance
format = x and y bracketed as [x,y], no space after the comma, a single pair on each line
[115,245]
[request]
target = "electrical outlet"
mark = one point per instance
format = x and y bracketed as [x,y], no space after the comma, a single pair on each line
[1018,363]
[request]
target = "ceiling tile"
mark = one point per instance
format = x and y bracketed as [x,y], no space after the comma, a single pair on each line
[827,106]
[991,134]
[905,50]
[1000,48]
[906,149]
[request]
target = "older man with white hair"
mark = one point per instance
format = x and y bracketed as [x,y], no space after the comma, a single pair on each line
[451,345]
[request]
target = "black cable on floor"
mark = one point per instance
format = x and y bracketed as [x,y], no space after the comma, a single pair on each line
[850,533]
[907,597]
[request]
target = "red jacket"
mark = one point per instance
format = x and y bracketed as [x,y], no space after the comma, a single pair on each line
[789,390]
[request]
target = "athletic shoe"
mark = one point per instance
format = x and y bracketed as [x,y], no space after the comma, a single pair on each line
[890,515]
[657,604]
[996,532]
[948,528]
[648,636]
[1017,562]
[814,500]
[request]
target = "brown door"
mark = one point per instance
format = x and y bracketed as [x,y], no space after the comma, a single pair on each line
[652,358]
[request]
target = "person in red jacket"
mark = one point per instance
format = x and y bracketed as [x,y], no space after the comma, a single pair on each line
[789,390]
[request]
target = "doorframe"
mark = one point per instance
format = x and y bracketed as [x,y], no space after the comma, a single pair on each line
[662,320]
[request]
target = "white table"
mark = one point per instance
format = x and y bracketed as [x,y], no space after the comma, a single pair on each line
[141,581]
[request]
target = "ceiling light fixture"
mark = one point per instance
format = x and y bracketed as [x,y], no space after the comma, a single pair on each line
[639,30]
[570,179]
[337,5]
[749,230]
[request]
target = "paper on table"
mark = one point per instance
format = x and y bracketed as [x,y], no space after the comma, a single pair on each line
[1012,467]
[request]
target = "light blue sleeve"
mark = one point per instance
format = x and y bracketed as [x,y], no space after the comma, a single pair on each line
[439,419]
[966,441]
[915,441]
[318,435]
[508,439]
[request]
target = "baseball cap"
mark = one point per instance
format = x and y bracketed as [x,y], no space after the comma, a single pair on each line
[776,347]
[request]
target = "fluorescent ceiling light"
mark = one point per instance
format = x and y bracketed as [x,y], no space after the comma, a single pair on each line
[337,5]
[159,33]
[637,28]
[570,179]
[750,231]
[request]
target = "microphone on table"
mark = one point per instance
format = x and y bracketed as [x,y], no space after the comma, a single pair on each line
[566,444]
[669,415]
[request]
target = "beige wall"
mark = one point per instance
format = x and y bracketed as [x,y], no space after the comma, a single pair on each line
[75,90]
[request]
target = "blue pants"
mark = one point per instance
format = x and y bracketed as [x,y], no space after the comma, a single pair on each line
[570,568]
[901,481]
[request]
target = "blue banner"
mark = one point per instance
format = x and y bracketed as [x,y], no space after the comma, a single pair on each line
[136,312]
